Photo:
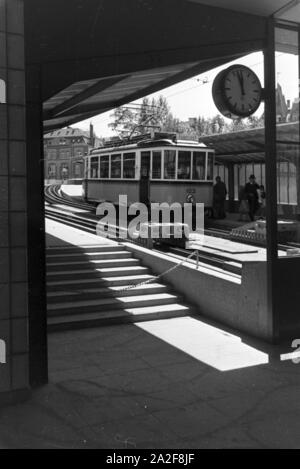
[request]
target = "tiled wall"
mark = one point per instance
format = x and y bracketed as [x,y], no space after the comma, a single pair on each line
[13,205]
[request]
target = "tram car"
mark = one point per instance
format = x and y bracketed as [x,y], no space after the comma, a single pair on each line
[150,169]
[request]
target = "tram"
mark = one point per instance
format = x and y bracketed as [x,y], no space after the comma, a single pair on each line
[150,169]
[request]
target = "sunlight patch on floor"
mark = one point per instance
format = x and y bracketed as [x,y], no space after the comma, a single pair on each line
[208,344]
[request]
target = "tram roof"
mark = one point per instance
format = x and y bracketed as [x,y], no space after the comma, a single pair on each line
[249,145]
[149,144]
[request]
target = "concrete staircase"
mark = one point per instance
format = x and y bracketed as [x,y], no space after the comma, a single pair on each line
[88,287]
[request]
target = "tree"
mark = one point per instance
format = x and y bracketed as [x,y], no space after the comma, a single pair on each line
[139,119]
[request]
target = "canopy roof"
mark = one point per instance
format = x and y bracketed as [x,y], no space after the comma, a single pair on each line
[95,55]
[249,145]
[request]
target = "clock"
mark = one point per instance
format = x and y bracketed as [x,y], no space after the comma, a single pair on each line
[237,92]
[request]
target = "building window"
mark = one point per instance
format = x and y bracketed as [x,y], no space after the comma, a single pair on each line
[104,166]
[116,166]
[79,152]
[51,171]
[65,153]
[184,165]
[199,165]
[64,170]
[77,170]
[129,166]
[169,164]
[94,167]
[156,165]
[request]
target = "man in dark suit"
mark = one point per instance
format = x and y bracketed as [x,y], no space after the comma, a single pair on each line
[251,192]
[220,192]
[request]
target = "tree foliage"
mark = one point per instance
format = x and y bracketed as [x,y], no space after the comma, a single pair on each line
[155,114]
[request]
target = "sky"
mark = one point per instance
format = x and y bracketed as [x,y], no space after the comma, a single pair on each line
[193,97]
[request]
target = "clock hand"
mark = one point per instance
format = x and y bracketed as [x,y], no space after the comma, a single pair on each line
[241,80]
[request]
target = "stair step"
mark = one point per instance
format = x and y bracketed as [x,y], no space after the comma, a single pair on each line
[84,249]
[73,257]
[130,315]
[108,291]
[96,282]
[105,272]
[106,304]
[92,264]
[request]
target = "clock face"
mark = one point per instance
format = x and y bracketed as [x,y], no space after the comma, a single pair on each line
[241,90]
[237,92]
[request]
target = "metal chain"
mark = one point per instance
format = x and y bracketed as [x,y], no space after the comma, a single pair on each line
[157,277]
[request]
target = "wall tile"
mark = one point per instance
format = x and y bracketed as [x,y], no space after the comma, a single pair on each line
[3,120]
[18,229]
[20,371]
[17,158]
[3,157]
[15,51]
[16,122]
[16,87]
[2,16]
[4,265]
[4,301]
[15,23]
[3,63]
[5,334]
[4,229]
[3,193]
[18,265]
[17,186]
[19,293]
[5,377]
[19,336]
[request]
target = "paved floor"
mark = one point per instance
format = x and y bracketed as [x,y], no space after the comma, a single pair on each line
[179,383]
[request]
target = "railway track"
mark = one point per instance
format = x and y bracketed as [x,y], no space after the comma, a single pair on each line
[58,208]
[82,215]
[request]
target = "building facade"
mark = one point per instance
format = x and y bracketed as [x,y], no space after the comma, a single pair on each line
[64,152]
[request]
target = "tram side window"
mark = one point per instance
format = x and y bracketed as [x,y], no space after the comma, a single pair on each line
[129,166]
[184,165]
[156,165]
[210,167]
[94,167]
[199,165]
[169,164]
[104,167]
[116,166]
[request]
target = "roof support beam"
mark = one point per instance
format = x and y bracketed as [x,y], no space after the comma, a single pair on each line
[78,98]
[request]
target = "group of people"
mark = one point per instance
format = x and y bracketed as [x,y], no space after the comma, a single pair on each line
[252,199]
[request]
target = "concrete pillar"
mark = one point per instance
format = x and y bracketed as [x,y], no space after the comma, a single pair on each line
[14,373]
[231,187]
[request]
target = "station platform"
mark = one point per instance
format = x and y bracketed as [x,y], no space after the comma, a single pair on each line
[94,281]
[169,384]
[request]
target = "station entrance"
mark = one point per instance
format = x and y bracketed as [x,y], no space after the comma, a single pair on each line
[56,73]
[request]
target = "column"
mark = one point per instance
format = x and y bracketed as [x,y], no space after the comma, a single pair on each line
[14,366]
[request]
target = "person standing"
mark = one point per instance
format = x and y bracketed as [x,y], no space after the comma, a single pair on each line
[251,192]
[219,198]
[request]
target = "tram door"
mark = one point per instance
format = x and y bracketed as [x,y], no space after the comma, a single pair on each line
[145,178]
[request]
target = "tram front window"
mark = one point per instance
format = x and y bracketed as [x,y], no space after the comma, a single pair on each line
[210,167]
[116,166]
[199,165]
[129,166]
[169,166]
[94,168]
[184,165]
[104,167]
[156,165]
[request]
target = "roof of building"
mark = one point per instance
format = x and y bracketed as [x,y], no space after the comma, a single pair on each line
[68,132]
